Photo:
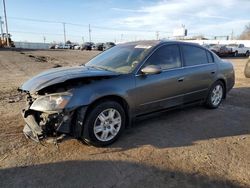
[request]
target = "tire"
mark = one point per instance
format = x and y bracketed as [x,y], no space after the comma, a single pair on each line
[236,54]
[247,70]
[247,54]
[99,128]
[215,95]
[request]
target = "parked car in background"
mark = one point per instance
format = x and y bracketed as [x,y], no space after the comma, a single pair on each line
[222,50]
[87,46]
[77,47]
[96,101]
[239,49]
[108,45]
[59,46]
[63,46]
[208,46]
[72,46]
[52,46]
[99,46]
[67,46]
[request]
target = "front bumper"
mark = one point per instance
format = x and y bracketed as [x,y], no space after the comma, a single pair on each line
[68,122]
[32,130]
[38,127]
[30,133]
[41,124]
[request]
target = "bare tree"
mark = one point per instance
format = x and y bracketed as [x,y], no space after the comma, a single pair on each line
[245,35]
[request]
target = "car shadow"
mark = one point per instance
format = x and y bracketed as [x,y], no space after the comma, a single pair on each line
[185,126]
[116,174]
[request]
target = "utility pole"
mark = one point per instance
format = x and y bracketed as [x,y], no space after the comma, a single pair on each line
[82,39]
[64,33]
[89,34]
[157,35]
[6,24]
[44,39]
[1,25]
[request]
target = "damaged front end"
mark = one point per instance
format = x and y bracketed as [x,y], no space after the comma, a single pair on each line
[46,115]
[56,102]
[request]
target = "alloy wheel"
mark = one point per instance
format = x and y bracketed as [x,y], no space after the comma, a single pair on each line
[107,124]
[217,95]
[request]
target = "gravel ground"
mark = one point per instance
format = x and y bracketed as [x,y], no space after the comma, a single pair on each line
[192,147]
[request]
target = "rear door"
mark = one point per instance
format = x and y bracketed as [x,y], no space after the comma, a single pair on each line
[200,71]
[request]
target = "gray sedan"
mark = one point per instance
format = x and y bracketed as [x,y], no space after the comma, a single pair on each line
[96,101]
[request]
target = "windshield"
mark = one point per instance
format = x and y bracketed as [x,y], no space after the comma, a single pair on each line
[122,59]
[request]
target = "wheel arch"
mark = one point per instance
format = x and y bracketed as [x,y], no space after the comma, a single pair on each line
[120,100]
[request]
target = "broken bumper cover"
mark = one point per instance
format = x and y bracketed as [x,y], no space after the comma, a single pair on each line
[69,122]
[32,130]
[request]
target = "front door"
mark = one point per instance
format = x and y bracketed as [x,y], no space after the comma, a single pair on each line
[158,91]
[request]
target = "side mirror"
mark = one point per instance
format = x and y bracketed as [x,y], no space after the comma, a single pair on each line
[151,69]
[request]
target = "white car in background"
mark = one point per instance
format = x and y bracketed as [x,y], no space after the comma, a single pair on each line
[77,47]
[66,46]
[239,49]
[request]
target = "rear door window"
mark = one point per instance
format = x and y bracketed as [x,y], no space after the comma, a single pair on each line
[210,57]
[194,55]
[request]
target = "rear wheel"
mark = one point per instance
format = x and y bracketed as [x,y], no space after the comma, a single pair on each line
[104,124]
[215,95]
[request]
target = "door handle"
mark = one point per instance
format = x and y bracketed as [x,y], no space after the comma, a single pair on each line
[181,79]
[213,72]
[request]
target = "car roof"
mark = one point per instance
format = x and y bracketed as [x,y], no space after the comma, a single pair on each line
[156,42]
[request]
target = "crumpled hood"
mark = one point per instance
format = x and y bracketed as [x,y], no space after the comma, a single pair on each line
[59,75]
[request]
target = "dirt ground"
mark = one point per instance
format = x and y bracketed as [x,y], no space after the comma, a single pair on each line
[192,147]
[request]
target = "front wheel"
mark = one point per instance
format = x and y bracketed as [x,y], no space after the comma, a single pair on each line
[104,124]
[215,95]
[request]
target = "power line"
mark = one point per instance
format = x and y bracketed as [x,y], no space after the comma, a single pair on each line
[33,20]
[87,26]
[82,25]
[36,33]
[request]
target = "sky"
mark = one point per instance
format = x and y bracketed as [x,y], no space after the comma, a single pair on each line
[113,20]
